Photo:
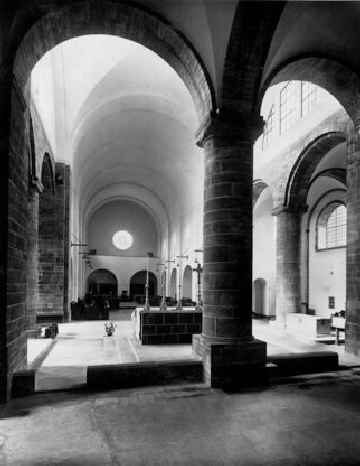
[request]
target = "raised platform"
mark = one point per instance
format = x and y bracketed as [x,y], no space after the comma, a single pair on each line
[83,344]
[157,327]
[227,374]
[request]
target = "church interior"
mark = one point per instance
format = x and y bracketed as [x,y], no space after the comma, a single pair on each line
[179,244]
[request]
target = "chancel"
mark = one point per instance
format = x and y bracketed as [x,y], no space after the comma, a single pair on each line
[179,245]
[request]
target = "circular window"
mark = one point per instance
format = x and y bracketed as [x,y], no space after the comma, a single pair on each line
[122,239]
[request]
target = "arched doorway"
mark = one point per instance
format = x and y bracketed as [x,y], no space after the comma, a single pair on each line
[259,296]
[102,282]
[172,285]
[137,285]
[187,282]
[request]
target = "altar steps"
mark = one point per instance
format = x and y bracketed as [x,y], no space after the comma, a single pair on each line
[187,371]
[145,374]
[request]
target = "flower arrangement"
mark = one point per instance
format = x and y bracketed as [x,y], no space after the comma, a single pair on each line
[110,328]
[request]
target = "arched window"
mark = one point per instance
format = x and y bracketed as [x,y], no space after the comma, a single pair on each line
[331,228]
[309,97]
[268,128]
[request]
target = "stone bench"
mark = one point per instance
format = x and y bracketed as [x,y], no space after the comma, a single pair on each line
[157,327]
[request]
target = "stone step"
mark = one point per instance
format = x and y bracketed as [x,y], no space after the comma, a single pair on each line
[304,363]
[141,374]
[144,374]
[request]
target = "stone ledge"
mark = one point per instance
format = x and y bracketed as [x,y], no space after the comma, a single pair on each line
[144,374]
[305,363]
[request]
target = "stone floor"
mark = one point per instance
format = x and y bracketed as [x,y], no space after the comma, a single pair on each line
[313,421]
[81,344]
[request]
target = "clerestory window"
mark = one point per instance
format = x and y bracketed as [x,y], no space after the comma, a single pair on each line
[331,227]
[268,128]
[289,105]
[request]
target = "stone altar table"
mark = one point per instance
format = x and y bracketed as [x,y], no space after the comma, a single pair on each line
[172,326]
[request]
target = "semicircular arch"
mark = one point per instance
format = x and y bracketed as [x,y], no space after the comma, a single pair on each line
[121,19]
[304,167]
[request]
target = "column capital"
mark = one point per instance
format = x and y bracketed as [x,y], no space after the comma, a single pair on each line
[233,125]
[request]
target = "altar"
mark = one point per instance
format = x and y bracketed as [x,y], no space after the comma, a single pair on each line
[156,327]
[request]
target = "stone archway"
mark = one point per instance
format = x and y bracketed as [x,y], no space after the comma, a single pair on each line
[38,30]
[137,286]
[57,24]
[331,75]
[102,282]
[304,167]
[258,187]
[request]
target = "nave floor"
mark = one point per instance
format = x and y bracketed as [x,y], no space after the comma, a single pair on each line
[312,423]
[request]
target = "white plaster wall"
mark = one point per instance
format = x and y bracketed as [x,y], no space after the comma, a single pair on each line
[327,268]
[264,247]
[124,268]
[327,278]
[123,215]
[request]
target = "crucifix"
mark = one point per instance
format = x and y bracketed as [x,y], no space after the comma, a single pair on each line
[147,304]
[163,287]
[198,271]
[169,283]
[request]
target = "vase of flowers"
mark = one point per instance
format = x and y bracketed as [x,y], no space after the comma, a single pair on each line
[110,328]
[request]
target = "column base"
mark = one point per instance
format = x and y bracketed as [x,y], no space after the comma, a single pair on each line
[233,365]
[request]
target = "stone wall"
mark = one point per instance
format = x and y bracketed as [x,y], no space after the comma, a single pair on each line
[54,248]
[161,328]
[27,144]
[36,146]
[14,343]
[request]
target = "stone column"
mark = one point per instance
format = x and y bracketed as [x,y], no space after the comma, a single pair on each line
[287,264]
[5,335]
[228,349]
[13,234]
[352,335]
